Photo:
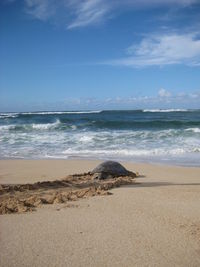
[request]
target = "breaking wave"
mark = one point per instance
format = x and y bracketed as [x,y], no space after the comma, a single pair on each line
[8,115]
[14,115]
[167,135]
[29,127]
[194,130]
[165,110]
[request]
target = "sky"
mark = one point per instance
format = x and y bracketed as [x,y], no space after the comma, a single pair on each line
[99,54]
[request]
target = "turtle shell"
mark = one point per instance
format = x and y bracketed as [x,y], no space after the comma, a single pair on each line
[111,167]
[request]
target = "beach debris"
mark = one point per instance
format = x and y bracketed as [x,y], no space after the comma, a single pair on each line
[20,198]
[111,169]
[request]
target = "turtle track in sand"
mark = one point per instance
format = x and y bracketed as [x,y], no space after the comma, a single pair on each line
[18,198]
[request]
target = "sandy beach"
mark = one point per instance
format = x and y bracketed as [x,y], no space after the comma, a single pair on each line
[109,83]
[154,222]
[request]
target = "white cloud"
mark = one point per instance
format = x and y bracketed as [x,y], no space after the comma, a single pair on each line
[164,93]
[194,95]
[163,49]
[175,101]
[163,100]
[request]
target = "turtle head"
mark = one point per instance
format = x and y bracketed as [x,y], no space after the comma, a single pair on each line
[133,174]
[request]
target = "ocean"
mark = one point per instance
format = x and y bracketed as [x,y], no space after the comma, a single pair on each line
[160,136]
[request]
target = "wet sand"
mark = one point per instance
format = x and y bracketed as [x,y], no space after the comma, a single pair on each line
[154,222]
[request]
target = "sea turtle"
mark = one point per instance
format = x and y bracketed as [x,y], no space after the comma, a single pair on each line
[111,169]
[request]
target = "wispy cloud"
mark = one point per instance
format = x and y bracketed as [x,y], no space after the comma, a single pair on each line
[82,13]
[88,12]
[75,13]
[40,9]
[162,49]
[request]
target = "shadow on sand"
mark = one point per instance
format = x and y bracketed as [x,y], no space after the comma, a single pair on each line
[158,184]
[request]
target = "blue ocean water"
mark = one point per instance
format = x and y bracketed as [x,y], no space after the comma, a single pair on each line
[166,136]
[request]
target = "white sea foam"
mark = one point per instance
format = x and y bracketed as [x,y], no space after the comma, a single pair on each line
[196,149]
[194,130]
[8,115]
[36,126]
[7,127]
[86,138]
[55,157]
[165,110]
[73,127]
[127,152]
[45,126]
[60,140]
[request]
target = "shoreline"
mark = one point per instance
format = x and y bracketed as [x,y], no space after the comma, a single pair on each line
[35,170]
[172,163]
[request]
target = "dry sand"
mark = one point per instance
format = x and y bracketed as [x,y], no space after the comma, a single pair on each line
[155,222]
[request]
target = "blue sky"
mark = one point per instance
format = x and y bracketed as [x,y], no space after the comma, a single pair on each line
[97,54]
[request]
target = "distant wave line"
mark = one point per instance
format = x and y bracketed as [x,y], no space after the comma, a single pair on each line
[60,112]
[14,115]
[166,110]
